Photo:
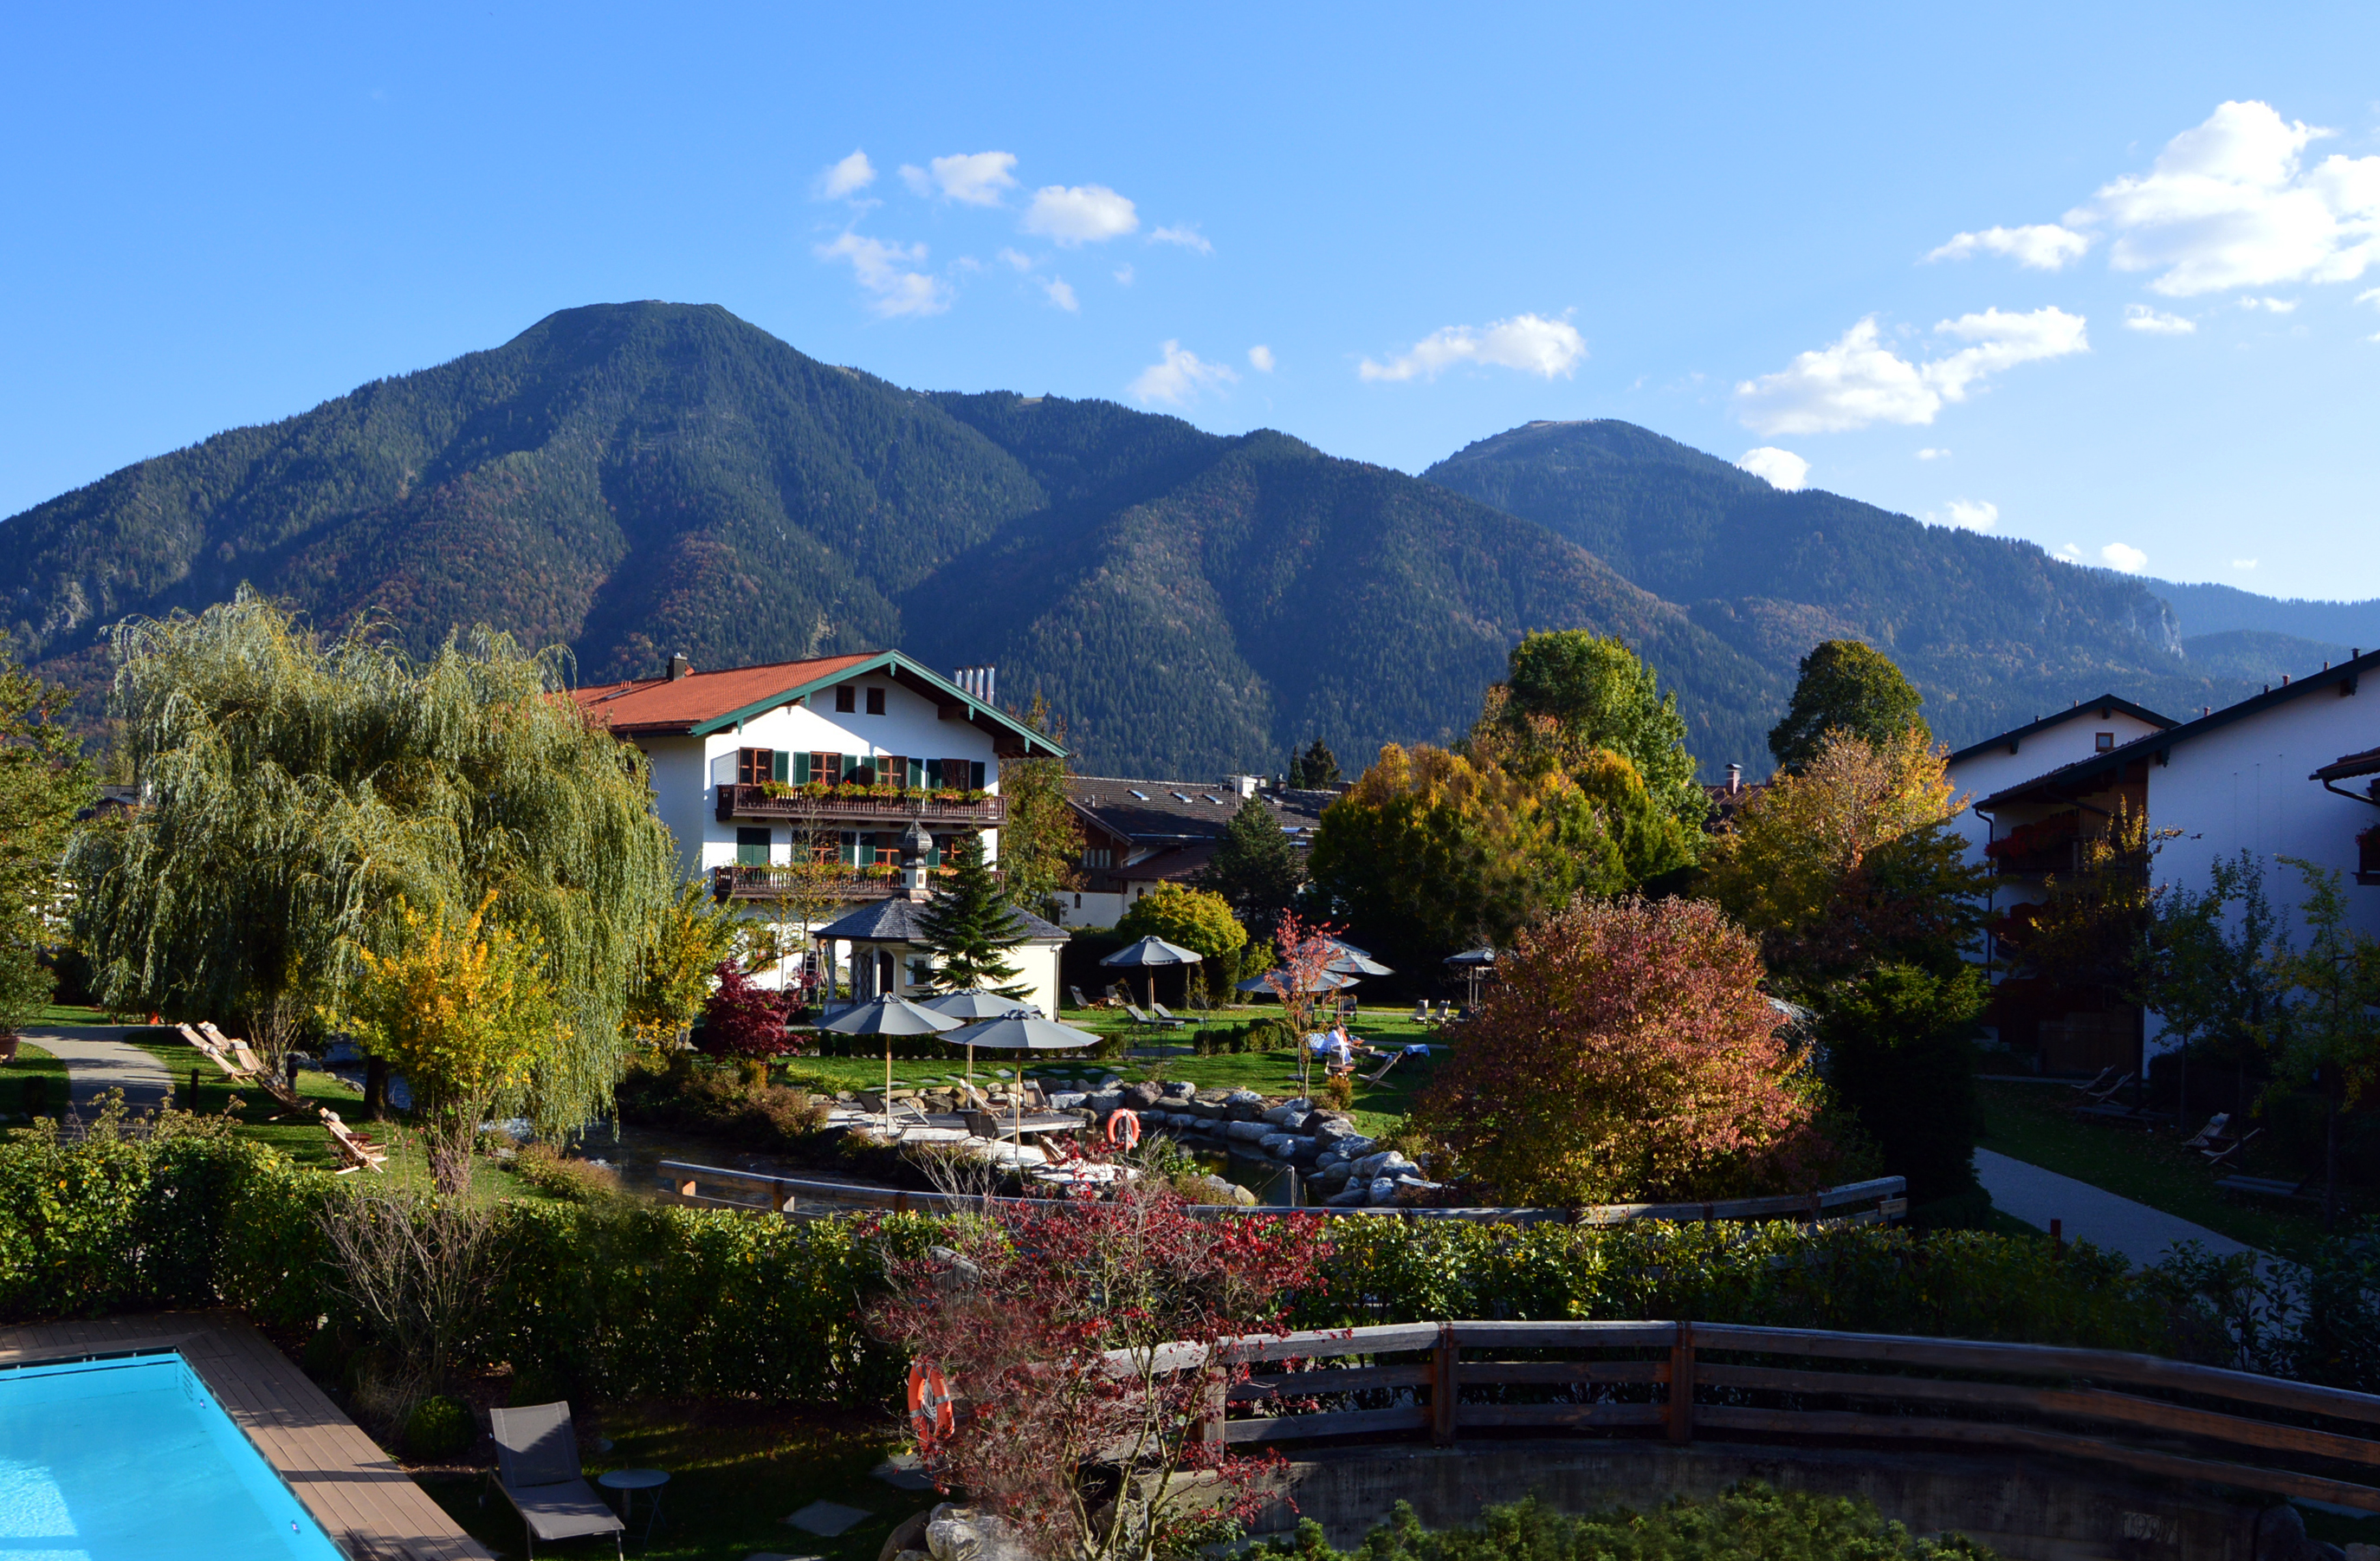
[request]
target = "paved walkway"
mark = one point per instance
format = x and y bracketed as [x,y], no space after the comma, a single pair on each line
[2091,1213]
[98,1059]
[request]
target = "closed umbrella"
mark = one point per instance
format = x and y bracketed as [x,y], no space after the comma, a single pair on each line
[1149,953]
[889,1017]
[976,1003]
[1021,1030]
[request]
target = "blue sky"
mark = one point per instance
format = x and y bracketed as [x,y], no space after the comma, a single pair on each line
[2156,346]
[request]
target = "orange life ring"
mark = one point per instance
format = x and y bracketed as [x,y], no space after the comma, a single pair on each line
[930,1414]
[1124,1127]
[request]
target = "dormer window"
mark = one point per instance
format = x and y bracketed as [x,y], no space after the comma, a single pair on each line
[875,701]
[846,700]
[2103,741]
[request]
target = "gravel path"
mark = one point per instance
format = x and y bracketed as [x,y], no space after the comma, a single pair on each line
[2091,1213]
[99,1059]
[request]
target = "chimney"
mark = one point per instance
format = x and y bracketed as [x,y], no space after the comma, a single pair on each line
[1734,779]
[1242,785]
[976,682]
[679,666]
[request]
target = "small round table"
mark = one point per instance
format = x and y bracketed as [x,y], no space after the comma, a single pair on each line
[629,1481]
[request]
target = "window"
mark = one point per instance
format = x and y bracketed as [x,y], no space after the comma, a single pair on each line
[846,699]
[752,847]
[1078,902]
[875,701]
[1096,856]
[2103,741]
[754,765]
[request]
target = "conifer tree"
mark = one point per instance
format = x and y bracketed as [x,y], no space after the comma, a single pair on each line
[970,925]
[1255,867]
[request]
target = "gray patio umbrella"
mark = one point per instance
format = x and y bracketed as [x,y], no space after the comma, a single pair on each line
[976,1003]
[1352,961]
[1328,980]
[1022,1030]
[1474,963]
[1149,953]
[889,1017]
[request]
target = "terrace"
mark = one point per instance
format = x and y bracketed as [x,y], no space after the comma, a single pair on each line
[858,804]
[756,881]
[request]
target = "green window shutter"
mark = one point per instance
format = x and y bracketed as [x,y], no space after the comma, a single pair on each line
[850,850]
[934,775]
[752,847]
[801,769]
[780,769]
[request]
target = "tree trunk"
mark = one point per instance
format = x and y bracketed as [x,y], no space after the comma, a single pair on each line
[376,1089]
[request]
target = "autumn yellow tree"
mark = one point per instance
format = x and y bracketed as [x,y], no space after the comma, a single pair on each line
[1853,863]
[694,936]
[463,1009]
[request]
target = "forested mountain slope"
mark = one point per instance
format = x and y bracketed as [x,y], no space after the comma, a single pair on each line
[633,479]
[1994,632]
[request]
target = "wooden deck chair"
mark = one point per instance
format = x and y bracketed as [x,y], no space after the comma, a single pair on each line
[1148,1022]
[2217,1130]
[1421,1012]
[2101,1097]
[216,1054]
[2227,1157]
[1377,1074]
[1077,994]
[237,1050]
[2093,1088]
[360,1152]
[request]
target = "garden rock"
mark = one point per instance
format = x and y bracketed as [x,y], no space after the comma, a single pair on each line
[1066,1100]
[1104,1101]
[1354,1148]
[1384,1163]
[958,1533]
[1142,1096]
[1333,1129]
[1277,1144]
[1383,1190]
[1180,1089]
[1245,1105]
[1352,1198]
[1246,1131]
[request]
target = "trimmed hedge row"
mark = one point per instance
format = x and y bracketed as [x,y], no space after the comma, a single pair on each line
[614,1299]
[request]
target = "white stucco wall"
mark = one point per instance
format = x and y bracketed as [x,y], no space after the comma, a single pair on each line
[1996,769]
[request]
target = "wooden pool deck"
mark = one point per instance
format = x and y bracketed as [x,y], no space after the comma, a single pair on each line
[368,1505]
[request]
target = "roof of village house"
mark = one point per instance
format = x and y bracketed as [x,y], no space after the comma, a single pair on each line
[2350,766]
[902,920]
[2100,708]
[698,704]
[2341,678]
[1167,863]
[1159,810]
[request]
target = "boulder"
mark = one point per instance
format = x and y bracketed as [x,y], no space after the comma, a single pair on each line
[1179,1090]
[1352,1198]
[1278,1116]
[1381,1189]
[1326,1160]
[1142,1096]
[1301,1103]
[1104,1102]
[1244,1105]
[1354,1148]
[1246,1133]
[1383,1162]
[1066,1100]
[1335,1175]
[1331,1129]
[1277,1144]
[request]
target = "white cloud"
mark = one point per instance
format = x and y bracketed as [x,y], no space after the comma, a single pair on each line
[1967,515]
[1778,468]
[1084,213]
[1184,234]
[974,178]
[2039,246]
[1124,275]
[1013,258]
[1180,377]
[2230,204]
[2243,563]
[2140,317]
[1530,343]
[1859,381]
[2275,306]
[1930,453]
[854,173]
[1062,294]
[2370,295]
[885,271]
[2129,559]
[1260,358]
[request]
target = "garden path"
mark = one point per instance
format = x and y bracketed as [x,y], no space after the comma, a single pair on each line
[98,1059]
[2091,1213]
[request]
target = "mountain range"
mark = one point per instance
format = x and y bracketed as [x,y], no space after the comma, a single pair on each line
[634,480]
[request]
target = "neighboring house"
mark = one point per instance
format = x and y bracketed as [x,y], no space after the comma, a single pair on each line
[808,775]
[1138,833]
[2264,775]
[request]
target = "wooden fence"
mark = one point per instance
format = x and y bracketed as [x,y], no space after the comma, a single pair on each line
[682,1182]
[1691,1381]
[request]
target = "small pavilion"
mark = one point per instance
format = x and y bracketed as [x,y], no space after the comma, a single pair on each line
[890,956]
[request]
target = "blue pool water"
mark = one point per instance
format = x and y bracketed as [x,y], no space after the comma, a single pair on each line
[130,1460]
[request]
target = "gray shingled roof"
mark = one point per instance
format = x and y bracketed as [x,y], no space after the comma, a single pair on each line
[900,921]
[1152,810]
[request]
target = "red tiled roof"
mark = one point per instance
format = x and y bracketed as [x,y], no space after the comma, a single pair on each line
[663,704]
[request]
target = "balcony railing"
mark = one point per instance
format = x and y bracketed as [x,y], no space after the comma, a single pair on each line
[842,804]
[751,880]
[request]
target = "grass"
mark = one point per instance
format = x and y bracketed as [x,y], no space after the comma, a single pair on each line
[2029,1122]
[32,1063]
[737,1472]
[1377,1108]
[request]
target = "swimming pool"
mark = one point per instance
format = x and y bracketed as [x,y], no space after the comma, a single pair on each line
[132,1459]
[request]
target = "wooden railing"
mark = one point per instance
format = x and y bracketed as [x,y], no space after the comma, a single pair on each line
[758,881]
[742,802]
[1690,1380]
[680,1181]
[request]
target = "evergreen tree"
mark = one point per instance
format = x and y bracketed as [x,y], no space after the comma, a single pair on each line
[1255,867]
[1316,768]
[970,925]
[1847,686]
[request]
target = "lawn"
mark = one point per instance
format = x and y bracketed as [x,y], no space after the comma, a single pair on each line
[2029,1122]
[32,1063]
[1273,1073]
[737,1472]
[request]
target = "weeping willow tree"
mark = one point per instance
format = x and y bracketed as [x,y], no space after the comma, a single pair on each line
[295,793]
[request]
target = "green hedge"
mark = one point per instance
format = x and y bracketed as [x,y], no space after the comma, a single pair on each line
[612,1298]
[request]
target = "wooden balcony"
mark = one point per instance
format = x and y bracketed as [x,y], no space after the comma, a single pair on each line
[748,881]
[837,807]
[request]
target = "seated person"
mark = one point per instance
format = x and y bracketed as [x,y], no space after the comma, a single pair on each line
[1319,1043]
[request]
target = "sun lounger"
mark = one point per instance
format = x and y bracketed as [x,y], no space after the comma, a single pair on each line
[1077,994]
[2228,1155]
[2102,1096]
[2263,1187]
[360,1152]
[217,1056]
[1148,1022]
[2096,1086]
[1421,1012]
[537,1468]
[1166,1015]
[2217,1130]
[1377,1074]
